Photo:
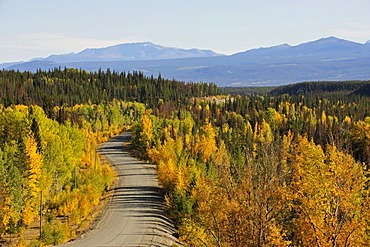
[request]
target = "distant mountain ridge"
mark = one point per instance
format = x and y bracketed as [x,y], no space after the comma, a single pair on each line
[326,59]
[330,48]
[130,52]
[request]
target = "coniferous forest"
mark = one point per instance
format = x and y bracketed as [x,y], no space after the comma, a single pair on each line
[279,169]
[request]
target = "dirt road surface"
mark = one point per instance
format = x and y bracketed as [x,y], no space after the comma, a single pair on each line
[136,215]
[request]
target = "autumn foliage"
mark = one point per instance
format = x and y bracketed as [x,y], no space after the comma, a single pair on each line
[270,170]
[263,171]
[53,166]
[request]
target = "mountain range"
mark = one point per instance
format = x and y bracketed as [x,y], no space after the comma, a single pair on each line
[326,59]
[130,52]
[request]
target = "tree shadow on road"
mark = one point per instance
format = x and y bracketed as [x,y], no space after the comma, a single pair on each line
[145,203]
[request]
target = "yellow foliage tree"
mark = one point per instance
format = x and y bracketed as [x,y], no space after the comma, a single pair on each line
[165,157]
[212,208]
[193,234]
[327,190]
[360,136]
[5,212]
[33,184]
[207,142]
[147,132]
[245,212]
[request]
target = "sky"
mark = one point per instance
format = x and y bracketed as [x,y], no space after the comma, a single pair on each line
[39,28]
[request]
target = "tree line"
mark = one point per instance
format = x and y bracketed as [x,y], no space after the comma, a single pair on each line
[71,86]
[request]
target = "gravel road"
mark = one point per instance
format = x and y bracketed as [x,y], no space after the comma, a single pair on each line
[135,216]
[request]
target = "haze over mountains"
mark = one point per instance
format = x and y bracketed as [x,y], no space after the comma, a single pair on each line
[324,59]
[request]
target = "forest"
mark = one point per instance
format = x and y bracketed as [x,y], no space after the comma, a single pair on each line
[264,170]
[52,167]
[271,169]
[51,124]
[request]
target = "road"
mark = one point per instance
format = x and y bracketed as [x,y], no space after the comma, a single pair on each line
[136,215]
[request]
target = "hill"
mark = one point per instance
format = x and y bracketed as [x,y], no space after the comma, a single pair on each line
[363,90]
[304,88]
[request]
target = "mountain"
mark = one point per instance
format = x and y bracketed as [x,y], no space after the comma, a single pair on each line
[326,59]
[129,52]
[324,49]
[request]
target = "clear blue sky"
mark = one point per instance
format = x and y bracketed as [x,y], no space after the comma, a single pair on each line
[38,28]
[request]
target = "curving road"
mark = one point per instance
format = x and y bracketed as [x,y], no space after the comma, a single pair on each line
[136,215]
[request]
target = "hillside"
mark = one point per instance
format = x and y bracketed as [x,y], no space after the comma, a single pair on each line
[346,87]
[363,90]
